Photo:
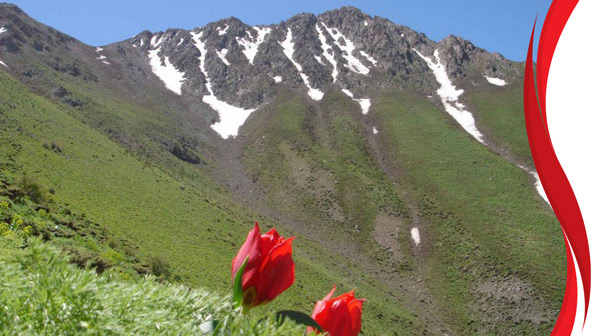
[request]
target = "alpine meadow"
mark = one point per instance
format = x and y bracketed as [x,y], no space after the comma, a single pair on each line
[132,174]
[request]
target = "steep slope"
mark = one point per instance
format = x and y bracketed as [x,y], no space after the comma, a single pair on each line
[393,158]
[185,221]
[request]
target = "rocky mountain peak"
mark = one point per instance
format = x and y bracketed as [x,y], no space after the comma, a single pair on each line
[344,16]
[230,65]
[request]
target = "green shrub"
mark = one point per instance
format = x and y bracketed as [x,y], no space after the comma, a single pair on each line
[159,266]
[31,188]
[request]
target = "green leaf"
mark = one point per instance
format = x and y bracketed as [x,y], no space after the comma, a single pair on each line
[209,326]
[299,318]
[237,296]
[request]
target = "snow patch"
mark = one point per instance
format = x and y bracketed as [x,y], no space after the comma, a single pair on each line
[172,78]
[365,23]
[2,30]
[495,81]
[181,42]
[539,187]
[155,41]
[4,64]
[353,62]
[288,49]
[101,58]
[319,59]
[416,237]
[347,92]
[375,130]
[278,79]
[252,47]
[231,117]
[537,184]
[364,103]
[222,55]
[402,35]
[369,58]
[222,31]
[328,55]
[449,97]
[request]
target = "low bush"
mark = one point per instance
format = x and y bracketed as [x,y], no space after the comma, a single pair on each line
[31,188]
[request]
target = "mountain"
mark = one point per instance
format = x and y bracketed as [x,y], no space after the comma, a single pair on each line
[400,163]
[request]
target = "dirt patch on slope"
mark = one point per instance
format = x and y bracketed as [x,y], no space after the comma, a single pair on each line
[387,232]
[499,300]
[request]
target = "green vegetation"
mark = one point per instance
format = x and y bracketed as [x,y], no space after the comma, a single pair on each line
[121,180]
[141,208]
[440,167]
[44,294]
[499,114]
[318,168]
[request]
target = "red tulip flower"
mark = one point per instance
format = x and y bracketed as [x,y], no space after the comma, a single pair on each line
[270,269]
[340,316]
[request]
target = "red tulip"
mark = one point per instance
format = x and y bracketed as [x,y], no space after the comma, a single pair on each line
[340,316]
[270,269]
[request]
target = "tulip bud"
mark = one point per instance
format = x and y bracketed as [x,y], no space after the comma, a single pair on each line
[269,270]
[340,316]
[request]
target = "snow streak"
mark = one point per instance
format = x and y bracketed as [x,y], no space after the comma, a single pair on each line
[288,49]
[172,78]
[365,103]
[449,97]
[495,81]
[252,47]
[353,63]
[231,117]
[328,53]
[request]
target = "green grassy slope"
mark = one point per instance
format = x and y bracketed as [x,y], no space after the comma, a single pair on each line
[186,221]
[480,236]
[483,224]
[498,111]
[317,166]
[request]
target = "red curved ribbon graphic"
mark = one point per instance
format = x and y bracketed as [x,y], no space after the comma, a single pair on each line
[552,176]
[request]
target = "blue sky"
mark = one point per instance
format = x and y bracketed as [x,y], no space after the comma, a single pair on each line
[503,26]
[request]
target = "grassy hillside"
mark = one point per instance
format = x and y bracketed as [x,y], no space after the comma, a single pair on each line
[186,222]
[482,241]
[499,114]
[315,164]
[490,246]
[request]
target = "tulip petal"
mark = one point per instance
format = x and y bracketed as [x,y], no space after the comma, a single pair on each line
[339,321]
[347,297]
[322,309]
[269,240]
[277,272]
[273,233]
[355,309]
[251,248]
[334,288]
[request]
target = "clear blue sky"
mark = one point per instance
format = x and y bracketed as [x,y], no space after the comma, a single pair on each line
[503,26]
